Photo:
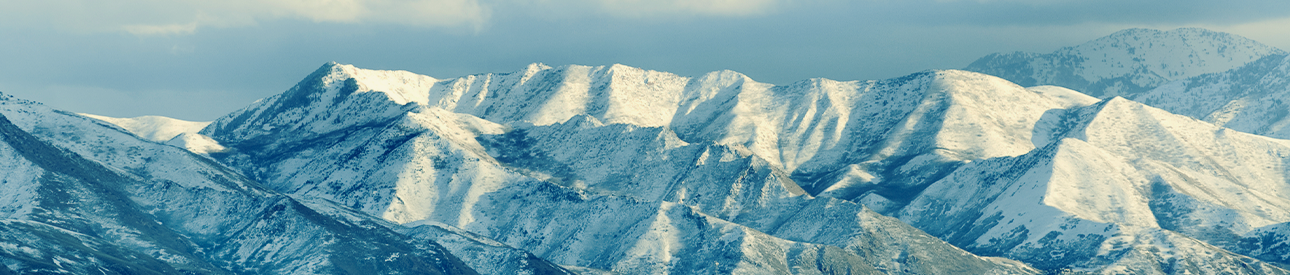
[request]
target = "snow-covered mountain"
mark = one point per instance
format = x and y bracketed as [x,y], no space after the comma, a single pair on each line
[1128,62]
[552,181]
[82,196]
[1251,98]
[621,169]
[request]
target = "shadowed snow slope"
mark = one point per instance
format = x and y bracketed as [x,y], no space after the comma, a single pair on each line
[1127,62]
[622,169]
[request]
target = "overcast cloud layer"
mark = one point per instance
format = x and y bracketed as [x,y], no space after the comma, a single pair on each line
[198,60]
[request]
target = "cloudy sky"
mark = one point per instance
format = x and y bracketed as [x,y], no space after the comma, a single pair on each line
[199,59]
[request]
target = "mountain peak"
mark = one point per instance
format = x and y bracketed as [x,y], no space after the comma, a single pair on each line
[531,70]
[335,96]
[400,86]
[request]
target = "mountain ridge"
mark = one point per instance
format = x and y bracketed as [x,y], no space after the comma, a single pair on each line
[427,148]
[882,145]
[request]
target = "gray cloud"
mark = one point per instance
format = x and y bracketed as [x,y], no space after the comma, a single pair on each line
[183,17]
[178,17]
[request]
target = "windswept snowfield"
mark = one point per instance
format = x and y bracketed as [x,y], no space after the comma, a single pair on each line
[1144,152]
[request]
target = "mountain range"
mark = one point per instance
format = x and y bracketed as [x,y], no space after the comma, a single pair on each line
[1110,157]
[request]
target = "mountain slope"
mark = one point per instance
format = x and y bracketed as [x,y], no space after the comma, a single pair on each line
[1127,62]
[846,139]
[170,211]
[728,182]
[1116,173]
[543,95]
[1248,99]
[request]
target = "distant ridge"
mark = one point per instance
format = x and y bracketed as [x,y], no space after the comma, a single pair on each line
[1128,62]
[1254,98]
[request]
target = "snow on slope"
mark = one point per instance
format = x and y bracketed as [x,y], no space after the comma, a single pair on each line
[726,182]
[845,139]
[174,132]
[427,163]
[725,152]
[1249,99]
[154,128]
[543,95]
[1115,171]
[332,98]
[1271,243]
[170,209]
[483,254]
[624,159]
[808,129]
[1127,62]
